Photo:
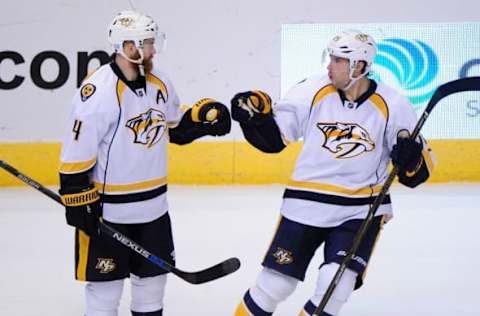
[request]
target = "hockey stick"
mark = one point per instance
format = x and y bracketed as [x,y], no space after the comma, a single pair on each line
[217,271]
[446,89]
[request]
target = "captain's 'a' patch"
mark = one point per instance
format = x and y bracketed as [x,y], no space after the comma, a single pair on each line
[87,91]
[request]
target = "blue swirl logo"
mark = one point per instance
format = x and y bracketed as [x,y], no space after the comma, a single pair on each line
[413,65]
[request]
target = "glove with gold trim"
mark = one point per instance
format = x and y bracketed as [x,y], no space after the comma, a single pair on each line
[83,209]
[213,115]
[406,154]
[251,106]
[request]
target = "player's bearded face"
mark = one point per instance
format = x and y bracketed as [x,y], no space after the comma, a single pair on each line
[147,61]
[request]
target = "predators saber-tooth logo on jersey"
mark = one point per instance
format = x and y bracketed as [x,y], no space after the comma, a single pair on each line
[346,140]
[148,127]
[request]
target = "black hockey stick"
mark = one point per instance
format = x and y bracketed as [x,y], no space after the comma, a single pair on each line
[217,271]
[446,89]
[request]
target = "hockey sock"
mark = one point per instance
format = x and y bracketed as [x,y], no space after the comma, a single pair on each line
[248,307]
[156,313]
[309,309]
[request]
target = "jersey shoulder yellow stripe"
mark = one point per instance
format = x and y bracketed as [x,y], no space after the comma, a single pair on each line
[323,92]
[381,104]
[159,83]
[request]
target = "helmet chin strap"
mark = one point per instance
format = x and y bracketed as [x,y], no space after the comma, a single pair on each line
[352,79]
[139,61]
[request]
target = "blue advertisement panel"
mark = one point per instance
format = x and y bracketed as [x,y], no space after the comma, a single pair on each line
[413,58]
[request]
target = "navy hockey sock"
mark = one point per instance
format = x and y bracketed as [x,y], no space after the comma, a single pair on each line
[156,313]
[309,309]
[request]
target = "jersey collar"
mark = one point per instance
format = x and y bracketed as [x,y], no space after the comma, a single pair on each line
[136,85]
[355,104]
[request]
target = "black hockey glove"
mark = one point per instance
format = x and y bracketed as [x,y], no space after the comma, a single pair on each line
[83,209]
[251,106]
[406,154]
[214,117]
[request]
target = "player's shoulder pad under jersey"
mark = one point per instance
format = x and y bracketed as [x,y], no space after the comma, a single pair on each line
[165,80]
[306,88]
[395,100]
[160,74]
[94,85]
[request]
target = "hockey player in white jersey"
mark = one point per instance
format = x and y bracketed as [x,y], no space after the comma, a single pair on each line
[114,167]
[350,126]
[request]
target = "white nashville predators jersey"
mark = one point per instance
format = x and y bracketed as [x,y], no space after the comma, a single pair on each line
[346,148]
[122,132]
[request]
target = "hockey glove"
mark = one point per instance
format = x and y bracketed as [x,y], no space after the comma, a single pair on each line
[213,115]
[406,154]
[251,106]
[83,209]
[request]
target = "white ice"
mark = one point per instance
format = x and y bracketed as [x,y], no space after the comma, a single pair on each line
[426,262]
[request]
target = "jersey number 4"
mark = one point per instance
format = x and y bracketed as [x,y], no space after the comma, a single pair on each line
[77,125]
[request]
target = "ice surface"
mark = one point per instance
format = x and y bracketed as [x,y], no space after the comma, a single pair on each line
[426,261]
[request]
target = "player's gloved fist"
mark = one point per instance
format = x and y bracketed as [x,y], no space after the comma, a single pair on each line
[406,154]
[251,105]
[214,116]
[83,209]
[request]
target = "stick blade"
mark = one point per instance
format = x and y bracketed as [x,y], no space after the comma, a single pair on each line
[454,86]
[217,271]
